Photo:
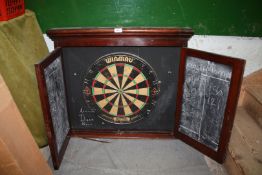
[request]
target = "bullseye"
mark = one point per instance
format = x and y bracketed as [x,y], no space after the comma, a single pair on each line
[120,91]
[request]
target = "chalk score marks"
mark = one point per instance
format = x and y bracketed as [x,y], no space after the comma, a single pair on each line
[57,101]
[205,93]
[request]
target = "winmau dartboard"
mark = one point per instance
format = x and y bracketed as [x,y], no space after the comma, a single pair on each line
[121,88]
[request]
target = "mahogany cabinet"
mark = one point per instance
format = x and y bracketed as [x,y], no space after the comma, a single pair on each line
[137,83]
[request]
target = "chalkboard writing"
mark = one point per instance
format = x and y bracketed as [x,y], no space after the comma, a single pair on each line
[205,92]
[57,101]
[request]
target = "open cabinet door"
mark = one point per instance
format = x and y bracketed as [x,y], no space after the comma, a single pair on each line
[208,90]
[51,85]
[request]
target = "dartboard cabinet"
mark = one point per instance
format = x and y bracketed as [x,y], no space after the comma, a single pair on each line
[137,83]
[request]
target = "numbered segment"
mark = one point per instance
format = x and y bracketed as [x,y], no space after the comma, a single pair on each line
[119,86]
[113,99]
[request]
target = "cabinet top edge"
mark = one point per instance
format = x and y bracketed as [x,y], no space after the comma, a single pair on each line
[152,31]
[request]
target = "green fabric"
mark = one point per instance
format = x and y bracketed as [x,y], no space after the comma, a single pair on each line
[21,46]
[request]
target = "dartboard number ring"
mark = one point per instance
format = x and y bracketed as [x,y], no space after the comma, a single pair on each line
[122,88]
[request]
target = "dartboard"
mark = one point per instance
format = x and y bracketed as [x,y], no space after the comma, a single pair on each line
[121,88]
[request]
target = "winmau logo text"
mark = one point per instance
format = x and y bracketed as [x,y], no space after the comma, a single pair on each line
[118,58]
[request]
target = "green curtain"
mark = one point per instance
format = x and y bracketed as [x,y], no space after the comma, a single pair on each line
[21,46]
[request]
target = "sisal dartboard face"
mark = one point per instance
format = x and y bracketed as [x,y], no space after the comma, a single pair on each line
[121,88]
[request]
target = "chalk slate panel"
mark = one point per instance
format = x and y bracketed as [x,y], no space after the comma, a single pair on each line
[205,92]
[57,100]
[165,62]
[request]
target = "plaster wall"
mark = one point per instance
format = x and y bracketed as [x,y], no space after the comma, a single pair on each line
[248,48]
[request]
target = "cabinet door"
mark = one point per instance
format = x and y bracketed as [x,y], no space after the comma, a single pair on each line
[208,90]
[54,105]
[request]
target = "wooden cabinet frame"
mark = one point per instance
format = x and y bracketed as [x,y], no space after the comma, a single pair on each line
[237,66]
[136,37]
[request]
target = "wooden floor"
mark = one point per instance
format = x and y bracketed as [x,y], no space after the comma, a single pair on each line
[245,147]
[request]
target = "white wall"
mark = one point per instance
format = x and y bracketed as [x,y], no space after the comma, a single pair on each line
[248,48]
[49,43]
